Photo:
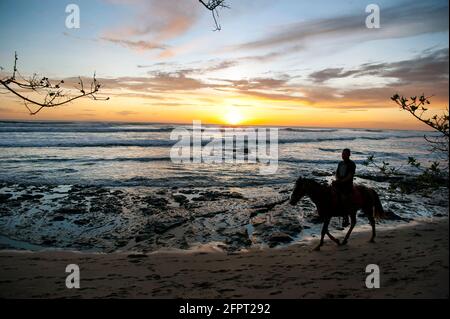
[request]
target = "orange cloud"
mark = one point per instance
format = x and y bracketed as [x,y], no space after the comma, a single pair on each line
[154,22]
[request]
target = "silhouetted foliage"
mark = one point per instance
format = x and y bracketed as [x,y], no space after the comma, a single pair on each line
[432,176]
[417,107]
[46,94]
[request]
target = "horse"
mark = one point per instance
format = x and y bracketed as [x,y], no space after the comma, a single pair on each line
[326,200]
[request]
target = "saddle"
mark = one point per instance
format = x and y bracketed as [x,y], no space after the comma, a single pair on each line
[337,200]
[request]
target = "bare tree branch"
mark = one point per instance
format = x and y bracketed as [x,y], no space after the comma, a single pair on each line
[213,6]
[52,95]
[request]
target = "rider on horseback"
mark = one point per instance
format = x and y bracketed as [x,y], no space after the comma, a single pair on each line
[344,183]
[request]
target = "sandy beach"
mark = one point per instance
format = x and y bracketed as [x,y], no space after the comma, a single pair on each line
[413,261]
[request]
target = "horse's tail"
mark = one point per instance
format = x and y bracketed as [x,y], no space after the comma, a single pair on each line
[378,211]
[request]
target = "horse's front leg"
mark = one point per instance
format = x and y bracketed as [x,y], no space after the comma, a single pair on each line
[324,231]
[333,238]
[352,225]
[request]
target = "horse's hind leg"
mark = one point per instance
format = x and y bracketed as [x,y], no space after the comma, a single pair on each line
[352,225]
[372,223]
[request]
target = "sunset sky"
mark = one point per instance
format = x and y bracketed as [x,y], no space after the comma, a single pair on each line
[286,62]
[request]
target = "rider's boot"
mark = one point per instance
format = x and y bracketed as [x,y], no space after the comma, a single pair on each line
[346,208]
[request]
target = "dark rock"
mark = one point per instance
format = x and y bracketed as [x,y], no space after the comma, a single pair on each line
[180,199]
[30,197]
[48,242]
[14,203]
[4,197]
[390,215]
[58,218]
[237,238]
[81,222]
[279,238]
[264,208]
[71,211]
[140,238]
[213,213]
[293,227]
[160,227]
[156,201]
[213,196]
[150,211]
[235,195]
[188,191]
[121,243]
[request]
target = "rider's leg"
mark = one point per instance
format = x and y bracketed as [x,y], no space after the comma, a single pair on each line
[346,207]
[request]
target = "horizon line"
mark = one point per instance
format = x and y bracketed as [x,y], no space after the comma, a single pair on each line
[211,124]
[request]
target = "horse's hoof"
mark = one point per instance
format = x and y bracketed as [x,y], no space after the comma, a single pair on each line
[338,242]
[317,248]
[372,241]
[344,242]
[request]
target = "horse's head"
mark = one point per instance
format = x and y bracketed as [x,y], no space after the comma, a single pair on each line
[299,191]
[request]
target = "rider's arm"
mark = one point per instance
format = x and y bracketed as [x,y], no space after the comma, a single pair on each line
[336,175]
[347,178]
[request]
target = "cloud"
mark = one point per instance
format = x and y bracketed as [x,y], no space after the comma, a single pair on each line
[154,22]
[273,55]
[162,81]
[156,82]
[431,67]
[136,45]
[258,83]
[403,20]
[331,73]
[208,67]
[126,113]
[424,73]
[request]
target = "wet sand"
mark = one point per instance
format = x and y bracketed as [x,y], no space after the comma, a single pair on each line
[413,261]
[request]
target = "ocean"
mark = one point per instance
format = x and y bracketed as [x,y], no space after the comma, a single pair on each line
[108,187]
[138,154]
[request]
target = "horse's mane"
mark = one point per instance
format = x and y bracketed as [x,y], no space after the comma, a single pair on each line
[311,181]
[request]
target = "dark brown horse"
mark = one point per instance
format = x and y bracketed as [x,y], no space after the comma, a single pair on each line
[326,200]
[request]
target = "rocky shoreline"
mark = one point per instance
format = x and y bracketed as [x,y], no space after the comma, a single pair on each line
[145,219]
